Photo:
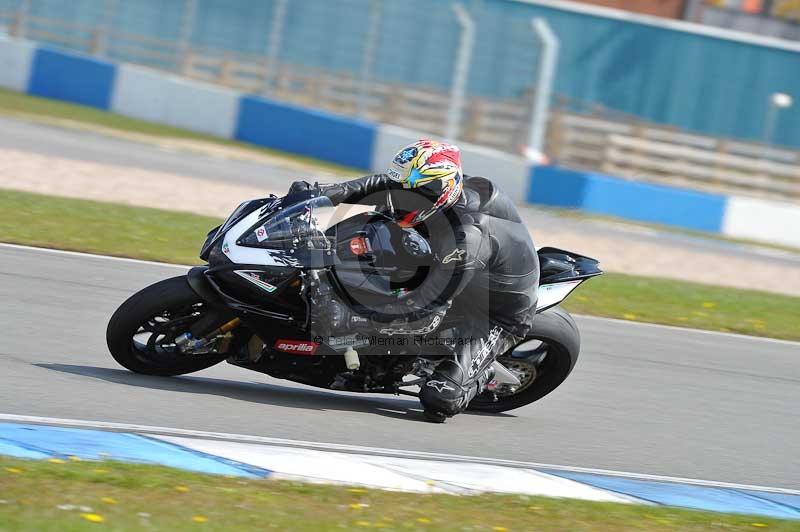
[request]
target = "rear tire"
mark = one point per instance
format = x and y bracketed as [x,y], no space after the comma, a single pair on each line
[169,296]
[560,343]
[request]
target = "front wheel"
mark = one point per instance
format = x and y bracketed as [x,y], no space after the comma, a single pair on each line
[141,333]
[541,362]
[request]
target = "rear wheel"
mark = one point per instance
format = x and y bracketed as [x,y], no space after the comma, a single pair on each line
[541,363]
[141,333]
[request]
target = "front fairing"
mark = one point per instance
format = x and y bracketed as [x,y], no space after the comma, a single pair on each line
[245,208]
[302,235]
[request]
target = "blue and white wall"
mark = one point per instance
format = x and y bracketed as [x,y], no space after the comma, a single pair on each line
[162,98]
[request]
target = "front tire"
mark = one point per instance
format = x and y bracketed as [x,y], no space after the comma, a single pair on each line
[157,314]
[549,363]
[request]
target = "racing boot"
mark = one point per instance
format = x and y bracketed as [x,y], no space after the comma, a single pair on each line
[449,391]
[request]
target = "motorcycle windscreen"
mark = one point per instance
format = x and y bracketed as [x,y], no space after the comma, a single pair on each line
[307,230]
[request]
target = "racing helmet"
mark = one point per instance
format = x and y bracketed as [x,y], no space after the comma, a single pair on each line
[433,170]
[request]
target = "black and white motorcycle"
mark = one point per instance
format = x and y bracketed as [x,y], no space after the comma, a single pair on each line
[281,294]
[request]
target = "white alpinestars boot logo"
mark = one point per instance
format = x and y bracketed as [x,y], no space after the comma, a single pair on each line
[486,348]
[439,385]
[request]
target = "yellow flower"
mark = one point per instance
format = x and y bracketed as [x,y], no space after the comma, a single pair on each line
[362,523]
[100,470]
[760,525]
[14,470]
[200,519]
[709,304]
[109,500]
[182,489]
[682,318]
[74,459]
[357,490]
[94,518]
[423,520]
[358,505]
[57,461]
[629,316]
[499,529]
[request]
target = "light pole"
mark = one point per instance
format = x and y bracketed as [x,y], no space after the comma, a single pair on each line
[548,62]
[777,101]
[460,72]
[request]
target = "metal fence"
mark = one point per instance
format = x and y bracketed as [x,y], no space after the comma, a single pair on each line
[271,60]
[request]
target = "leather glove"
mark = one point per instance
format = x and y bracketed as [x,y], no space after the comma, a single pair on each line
[301,186]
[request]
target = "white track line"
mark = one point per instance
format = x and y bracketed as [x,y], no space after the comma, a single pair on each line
[356,449]
[688,330]
[92,256]
[582,316]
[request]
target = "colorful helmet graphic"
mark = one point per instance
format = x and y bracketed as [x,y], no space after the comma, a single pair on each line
[434,170]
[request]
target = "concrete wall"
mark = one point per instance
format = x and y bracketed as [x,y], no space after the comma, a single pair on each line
[739,217]
[153,96]
[16,58]
[158,97]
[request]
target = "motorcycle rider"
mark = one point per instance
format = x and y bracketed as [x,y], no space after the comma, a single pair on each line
[485,263]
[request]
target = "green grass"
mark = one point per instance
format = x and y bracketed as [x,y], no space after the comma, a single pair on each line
[95,227]
[15,104]
[685,304]
[134,497]
[153,234]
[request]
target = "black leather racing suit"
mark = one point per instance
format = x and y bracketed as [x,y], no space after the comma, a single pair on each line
[486,266]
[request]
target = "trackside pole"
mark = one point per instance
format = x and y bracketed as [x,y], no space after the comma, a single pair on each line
[274,43]
[544,84]
[186,30]
[461,71]
[368,59]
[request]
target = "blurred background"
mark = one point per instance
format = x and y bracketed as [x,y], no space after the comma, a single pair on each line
[635,92]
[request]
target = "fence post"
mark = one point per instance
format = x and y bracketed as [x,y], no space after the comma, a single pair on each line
[461,71]
[20,27]
[274,43]
[185,35]
[368,59]
[101,35]
[544,83]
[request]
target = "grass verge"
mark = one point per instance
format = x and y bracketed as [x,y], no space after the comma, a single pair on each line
[153,234]
[79,495]
[18,105]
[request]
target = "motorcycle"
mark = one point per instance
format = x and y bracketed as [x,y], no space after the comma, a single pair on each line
[286,287]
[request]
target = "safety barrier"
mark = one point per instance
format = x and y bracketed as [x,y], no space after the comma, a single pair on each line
[739,217]
[158,97]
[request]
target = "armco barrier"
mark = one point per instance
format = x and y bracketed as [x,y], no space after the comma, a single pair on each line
[16,58]
[72,78]
[298,130]
[756,219]
[156,97]
[596,193]
[163,98]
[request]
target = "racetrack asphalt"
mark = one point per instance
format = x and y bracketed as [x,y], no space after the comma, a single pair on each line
[644,399]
